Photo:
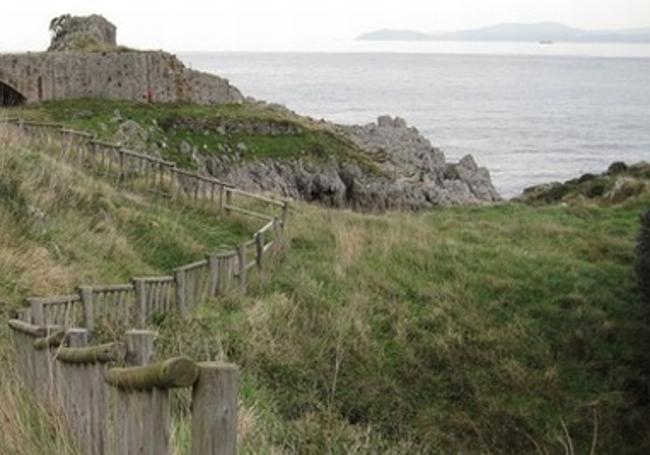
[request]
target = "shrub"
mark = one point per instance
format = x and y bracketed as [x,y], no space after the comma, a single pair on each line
[643,260]
[617,167]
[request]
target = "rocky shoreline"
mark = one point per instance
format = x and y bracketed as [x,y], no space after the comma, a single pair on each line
[412,174]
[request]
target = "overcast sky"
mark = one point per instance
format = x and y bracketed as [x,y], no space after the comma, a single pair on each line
[256,24]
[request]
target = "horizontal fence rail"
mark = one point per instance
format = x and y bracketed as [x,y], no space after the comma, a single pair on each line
[115,401]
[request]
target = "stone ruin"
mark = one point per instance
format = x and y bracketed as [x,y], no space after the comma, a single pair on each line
[84,62]
[79,33]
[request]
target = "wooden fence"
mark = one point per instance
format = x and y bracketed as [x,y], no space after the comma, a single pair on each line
[114,401]
[135,304]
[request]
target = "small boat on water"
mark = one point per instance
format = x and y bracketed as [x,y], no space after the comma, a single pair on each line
[546,42]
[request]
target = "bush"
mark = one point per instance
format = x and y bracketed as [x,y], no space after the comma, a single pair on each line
[643,260]
[617,167]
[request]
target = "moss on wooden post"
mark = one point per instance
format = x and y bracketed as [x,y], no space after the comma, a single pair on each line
[27,329]
[173,373]
[103,353]
[54,338]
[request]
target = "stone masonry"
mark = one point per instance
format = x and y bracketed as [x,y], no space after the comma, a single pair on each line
[154,76]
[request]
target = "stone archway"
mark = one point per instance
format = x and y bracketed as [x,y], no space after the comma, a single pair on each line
[9,96]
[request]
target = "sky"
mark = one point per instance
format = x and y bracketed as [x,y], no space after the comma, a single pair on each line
[211,25]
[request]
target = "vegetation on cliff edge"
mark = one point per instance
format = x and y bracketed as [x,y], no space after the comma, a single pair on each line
[244,131]
[504,329]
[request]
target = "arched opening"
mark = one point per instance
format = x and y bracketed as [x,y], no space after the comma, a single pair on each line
[9,96]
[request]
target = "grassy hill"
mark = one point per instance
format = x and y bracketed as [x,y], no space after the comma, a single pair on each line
[504,329]
[251,131]
[61,227]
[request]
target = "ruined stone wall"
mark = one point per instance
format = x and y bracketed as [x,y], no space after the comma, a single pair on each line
[137,76]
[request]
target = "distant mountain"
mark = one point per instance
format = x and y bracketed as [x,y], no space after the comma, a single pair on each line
[543,31]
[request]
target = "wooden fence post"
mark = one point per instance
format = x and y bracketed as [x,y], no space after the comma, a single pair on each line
[143,416]
[228,200]
[140,287]
[25,315]
[213,274]
[38,316]
[139,346]
[214,410]
[121,164]
[77,392]
[86,294]
[285,214]
[179,279]
[259,249]
[241,263]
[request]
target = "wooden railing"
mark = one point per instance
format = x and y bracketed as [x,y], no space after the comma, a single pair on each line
[126,410]
[132,305]
[115,401]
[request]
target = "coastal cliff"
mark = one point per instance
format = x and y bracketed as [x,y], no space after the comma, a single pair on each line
[85,76]
[408,172]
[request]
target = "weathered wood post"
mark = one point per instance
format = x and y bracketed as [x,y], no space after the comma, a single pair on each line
[77,392]
[86,294]
[39,364]
[228,200]
[214,410]
[259,249]
[277,234]
[241,264]
[139,346]
[181,301]
[222,189]
[285,214]
[143,408]
[83,384]
[140,287]
[213,274]
[121,164]
[38,314]
[25,315]
[46,373]
[24,334]
[130,431]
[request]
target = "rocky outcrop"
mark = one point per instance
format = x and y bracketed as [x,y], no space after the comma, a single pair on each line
[77,33]
[619,183]
[410,173]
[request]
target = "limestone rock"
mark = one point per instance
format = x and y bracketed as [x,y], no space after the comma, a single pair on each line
[131,135]
[414,175]
[74,33]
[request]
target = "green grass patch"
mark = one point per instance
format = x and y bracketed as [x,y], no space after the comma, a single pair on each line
[252,132]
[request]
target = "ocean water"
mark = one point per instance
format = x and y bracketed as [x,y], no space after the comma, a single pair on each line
[529,113]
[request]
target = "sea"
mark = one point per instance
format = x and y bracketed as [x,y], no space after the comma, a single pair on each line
[531,113]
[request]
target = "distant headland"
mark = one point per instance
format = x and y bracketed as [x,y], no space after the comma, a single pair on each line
[538,32]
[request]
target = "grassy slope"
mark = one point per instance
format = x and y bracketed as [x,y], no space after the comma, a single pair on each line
[313,141]
[59,228]
[480,330]
[469,329]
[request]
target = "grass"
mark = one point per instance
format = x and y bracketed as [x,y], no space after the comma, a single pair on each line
[211,130]
[504,329]
[61,227]
[507,329]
